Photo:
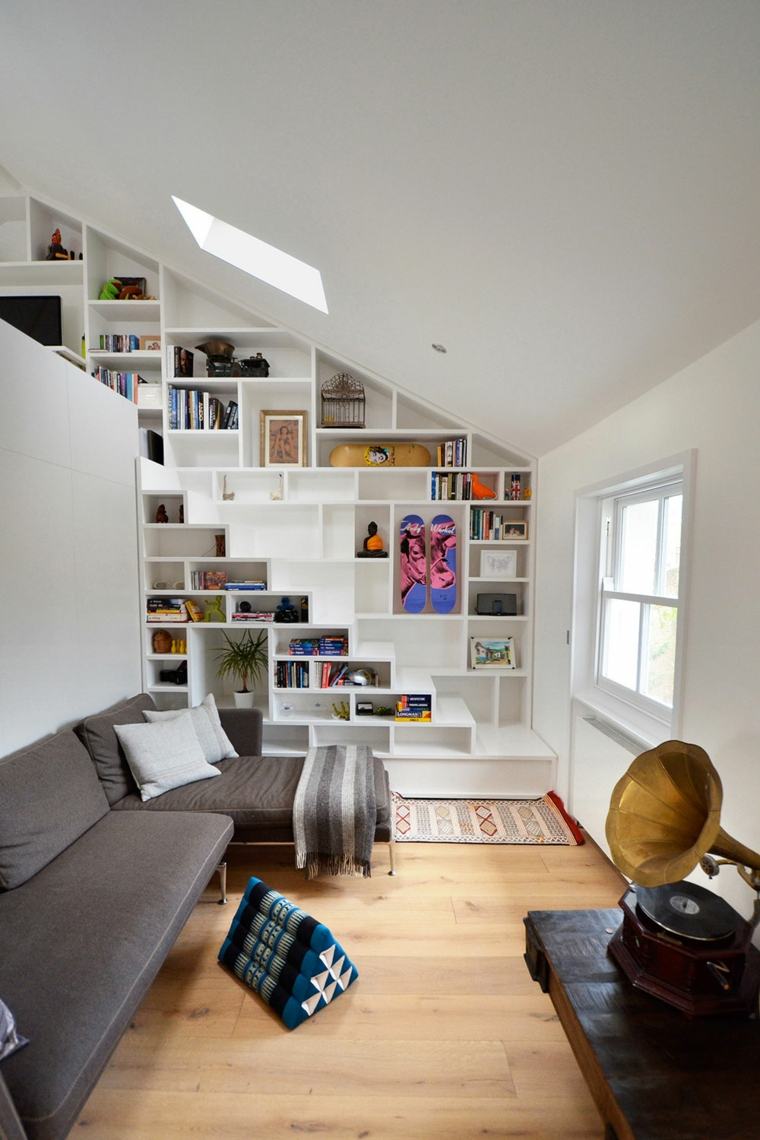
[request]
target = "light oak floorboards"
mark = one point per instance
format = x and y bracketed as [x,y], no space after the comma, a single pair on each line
[444,1035]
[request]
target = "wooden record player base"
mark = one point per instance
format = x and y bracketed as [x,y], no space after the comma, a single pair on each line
[651,1071]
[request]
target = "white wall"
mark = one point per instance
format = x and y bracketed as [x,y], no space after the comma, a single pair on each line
[713,406]
[69,618]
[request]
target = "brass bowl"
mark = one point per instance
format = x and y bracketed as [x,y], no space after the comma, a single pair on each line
[216,348]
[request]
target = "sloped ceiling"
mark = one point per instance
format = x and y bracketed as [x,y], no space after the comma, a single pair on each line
[565,194]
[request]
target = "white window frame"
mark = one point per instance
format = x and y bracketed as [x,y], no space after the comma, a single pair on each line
[613,704]
[610,570]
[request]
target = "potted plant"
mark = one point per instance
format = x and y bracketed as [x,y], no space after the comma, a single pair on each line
[246,659]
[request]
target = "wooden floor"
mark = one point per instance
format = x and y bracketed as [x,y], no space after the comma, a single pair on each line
[444,1035]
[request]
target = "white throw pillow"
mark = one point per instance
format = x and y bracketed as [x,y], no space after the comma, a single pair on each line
[164,755]
[205,720]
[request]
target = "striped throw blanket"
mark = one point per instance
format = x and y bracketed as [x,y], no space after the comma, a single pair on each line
[334,812]
[286,956]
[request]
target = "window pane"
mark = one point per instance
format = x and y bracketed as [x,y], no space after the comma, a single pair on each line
[659,653]
[638,548]
[671,548]
[620,651]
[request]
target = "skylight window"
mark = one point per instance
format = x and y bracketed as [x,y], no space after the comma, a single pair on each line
[254,256]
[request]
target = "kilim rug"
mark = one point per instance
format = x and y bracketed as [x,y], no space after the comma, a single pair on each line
[540,821]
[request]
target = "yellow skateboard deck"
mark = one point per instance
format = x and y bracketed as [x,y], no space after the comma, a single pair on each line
[380,455]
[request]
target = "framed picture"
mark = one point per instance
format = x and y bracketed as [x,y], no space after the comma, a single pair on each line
[498,564]
[150,343]
[492,653]
[283,439]
[512,529]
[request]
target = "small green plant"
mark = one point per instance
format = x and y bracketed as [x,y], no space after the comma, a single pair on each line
[246,658]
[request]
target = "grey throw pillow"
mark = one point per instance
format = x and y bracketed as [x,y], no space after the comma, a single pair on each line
[212,738]
[10,1038]
[164,755]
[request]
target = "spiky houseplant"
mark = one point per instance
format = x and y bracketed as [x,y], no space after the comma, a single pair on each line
[245,658]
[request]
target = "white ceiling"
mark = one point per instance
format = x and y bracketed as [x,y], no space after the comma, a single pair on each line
[565,193]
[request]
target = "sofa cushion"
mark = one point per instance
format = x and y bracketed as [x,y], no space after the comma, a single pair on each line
[99,738]
[164,755]
[212,738]
[257,792]
[97,923]
[49,795]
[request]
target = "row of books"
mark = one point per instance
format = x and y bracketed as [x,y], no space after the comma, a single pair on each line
[125,383]
[193,410]
[318,646]
[291,675]
[486,524]
[119,342]
[452,486]
[219,580]
[414,707]
[452,453]
[332,675]
[166,610]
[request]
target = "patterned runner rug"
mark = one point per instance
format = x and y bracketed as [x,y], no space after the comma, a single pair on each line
[541,821]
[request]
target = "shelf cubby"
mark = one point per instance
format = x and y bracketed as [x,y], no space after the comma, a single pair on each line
[43,221]
[108,257]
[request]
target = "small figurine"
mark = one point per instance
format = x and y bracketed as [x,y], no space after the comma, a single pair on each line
[214,611]
[515,490]
[481,490]
[341,710]
[221,545]
[56,252]
[373,546]
[161,514]
[285,611]
[244,608]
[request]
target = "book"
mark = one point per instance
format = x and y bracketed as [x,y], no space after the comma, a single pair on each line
[180,361]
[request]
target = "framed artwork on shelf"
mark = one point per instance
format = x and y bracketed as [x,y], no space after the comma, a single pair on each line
[492,653]
[283,439]
[514,529]
[498,564]
[150,343]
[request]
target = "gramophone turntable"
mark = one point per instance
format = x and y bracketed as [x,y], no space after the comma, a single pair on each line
[679,941]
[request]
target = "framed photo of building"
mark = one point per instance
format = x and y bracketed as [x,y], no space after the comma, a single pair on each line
[283,439]
[492,653]
[498,564]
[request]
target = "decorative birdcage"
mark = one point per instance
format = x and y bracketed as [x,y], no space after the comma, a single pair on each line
[343,402]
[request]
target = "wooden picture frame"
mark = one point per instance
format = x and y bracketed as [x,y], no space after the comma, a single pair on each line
[492,653]
[282,438]
[514,530]
[498,564]
[150,343]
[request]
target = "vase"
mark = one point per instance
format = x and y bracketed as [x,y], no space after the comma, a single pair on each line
[243,700]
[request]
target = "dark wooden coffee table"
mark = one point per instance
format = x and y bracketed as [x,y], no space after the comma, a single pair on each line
[654,1074]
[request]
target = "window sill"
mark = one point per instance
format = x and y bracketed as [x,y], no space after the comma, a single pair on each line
[644,730]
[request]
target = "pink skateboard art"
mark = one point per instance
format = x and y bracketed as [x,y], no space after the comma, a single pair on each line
[413,564]
[443,564]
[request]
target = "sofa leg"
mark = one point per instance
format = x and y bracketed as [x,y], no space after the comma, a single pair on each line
[392,852]
[222,869]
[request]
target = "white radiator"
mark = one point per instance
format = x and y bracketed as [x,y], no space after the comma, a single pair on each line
[601,754]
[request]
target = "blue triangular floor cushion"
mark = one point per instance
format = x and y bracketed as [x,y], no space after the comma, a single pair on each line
[284,954]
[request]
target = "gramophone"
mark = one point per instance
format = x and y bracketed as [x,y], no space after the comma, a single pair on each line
[678,941]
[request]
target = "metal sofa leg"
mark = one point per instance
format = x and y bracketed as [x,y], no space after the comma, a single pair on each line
[392,852]
[222,869]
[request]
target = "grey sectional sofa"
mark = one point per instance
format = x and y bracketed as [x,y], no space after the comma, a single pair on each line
[96,885]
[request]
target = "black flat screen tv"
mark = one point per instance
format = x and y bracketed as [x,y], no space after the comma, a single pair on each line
[38,317]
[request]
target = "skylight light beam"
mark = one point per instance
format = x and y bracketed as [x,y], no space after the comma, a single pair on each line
[254,256]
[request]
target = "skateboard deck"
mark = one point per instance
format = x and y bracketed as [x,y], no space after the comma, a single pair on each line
[379,455]
[413,564]
[443,564]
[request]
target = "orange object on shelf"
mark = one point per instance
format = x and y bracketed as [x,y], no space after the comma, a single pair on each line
[481,490]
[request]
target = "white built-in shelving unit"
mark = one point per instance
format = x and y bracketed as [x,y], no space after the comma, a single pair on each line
[298,529]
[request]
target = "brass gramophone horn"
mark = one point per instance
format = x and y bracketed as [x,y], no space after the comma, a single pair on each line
[665,816]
